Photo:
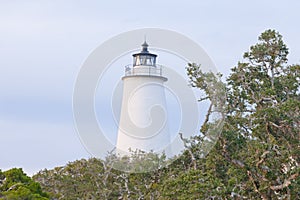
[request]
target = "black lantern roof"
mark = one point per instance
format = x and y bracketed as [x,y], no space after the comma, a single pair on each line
[144,57]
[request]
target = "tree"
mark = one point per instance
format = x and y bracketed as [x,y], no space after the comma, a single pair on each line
[257,156]
[264,111]
[15,184]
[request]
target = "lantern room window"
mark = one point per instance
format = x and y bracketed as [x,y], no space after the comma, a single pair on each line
[144,60]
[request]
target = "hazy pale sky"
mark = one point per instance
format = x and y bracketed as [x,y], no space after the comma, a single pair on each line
[44,43]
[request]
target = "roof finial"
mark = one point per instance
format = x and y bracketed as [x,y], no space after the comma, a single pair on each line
[145,45]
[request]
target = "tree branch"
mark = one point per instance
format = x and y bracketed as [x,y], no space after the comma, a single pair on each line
[208,114]
[285,184]
[203,98]
[255,185]
[189,150]
[263,156]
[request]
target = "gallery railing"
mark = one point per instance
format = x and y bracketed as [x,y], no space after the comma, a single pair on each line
[143,70]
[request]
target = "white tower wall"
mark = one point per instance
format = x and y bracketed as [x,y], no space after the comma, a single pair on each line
[143,121]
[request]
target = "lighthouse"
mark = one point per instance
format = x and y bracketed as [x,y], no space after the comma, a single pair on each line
[143,123]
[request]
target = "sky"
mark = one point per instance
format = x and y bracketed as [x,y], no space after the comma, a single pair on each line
[43,44]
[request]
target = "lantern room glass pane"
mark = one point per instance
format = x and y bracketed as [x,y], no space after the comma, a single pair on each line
[144,60]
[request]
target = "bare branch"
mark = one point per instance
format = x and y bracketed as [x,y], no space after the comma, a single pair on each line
[263,156]
[285,184]
[184,140]
[208,114]
[203,98]
[275,125]
[255,185]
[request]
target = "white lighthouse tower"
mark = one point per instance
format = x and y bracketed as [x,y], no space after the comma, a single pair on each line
[143,121]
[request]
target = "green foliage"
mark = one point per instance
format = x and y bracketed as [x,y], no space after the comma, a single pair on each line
[138,161]
[256,156]
[15,184]
[263,96]
[194,184]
